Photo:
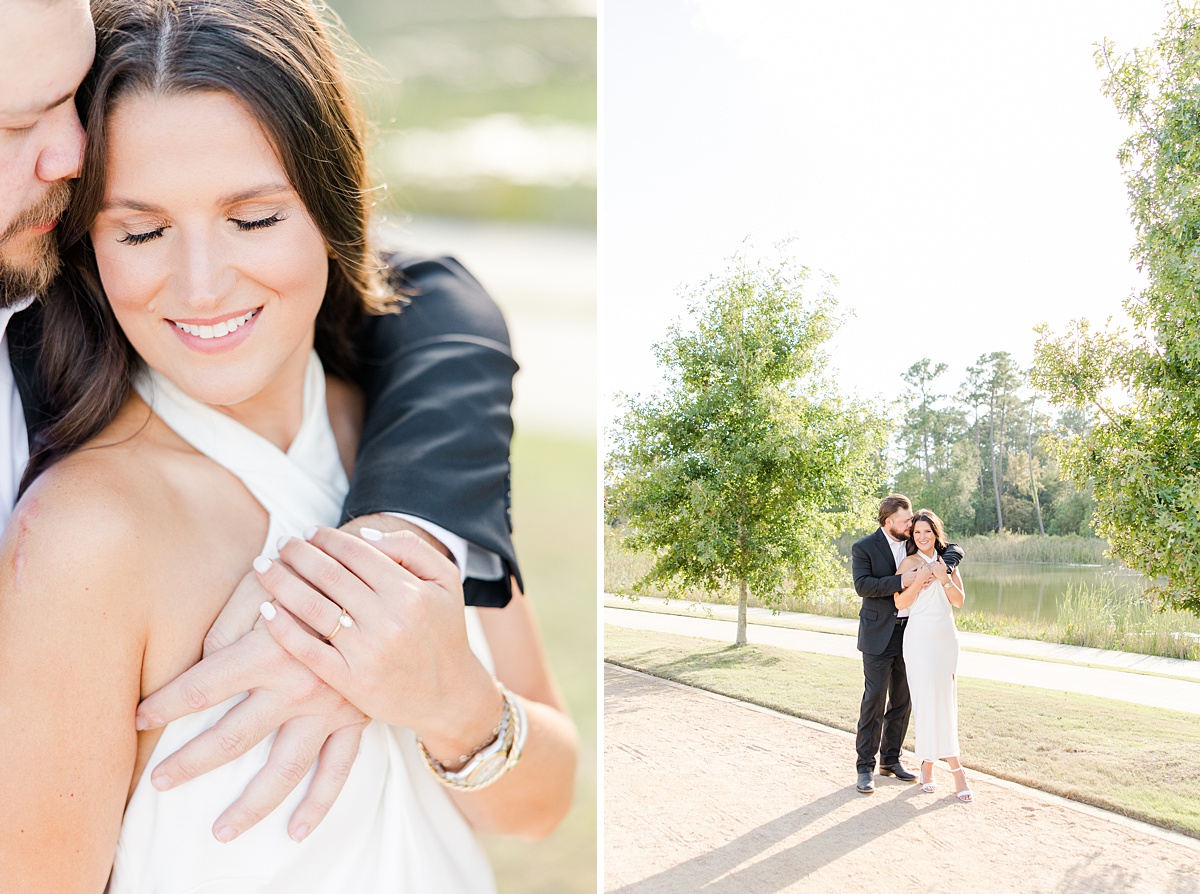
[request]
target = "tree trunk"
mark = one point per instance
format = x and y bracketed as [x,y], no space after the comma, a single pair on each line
[743,587]
[1032,482]
[993,455]
[743,594]
[925,450]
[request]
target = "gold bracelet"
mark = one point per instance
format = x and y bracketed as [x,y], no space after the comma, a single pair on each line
[495,758]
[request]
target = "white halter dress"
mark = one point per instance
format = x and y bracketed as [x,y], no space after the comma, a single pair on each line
[931,660]
[392,829]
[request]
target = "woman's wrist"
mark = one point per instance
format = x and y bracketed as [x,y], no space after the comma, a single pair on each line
[473,723]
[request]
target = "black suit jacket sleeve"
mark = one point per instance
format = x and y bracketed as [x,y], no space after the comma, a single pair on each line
[952,555]
[438,383]
[865,584]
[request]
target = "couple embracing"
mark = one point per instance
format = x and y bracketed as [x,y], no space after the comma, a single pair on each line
[207,367]
[907,575]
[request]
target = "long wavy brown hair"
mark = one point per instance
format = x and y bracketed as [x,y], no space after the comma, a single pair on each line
[278,58]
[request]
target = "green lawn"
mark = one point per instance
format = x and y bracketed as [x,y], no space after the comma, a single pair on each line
[1138,761]
[554,524]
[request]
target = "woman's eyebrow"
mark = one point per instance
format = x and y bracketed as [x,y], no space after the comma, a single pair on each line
[267,189]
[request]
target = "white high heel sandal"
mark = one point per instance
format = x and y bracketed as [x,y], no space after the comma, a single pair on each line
[929,787]
[965,794]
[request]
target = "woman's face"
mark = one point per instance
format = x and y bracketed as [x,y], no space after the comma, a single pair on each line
[212,265]
[922,534]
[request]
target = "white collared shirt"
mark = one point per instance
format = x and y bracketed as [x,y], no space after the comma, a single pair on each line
[14,444]
[899,553]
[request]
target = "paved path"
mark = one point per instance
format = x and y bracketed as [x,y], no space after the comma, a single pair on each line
[706,794]
[836,636]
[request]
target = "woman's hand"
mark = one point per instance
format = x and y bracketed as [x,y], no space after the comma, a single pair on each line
[941,572]
[394,640]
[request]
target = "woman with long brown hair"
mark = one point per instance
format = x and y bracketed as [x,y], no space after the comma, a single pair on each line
[931,651]
[215,256]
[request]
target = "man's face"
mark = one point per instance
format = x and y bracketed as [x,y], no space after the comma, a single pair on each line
[898,524]
[45,50]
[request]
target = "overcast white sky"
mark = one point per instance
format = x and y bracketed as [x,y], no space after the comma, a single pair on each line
[953,165]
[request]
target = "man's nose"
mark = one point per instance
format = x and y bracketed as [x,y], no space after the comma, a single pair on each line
[62,153]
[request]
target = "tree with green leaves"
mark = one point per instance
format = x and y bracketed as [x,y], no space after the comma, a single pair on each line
[1143,386]
[745,467]
[928,430]
[993,382]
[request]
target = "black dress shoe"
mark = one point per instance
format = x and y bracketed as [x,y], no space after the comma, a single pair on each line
[899,772]
[866,784]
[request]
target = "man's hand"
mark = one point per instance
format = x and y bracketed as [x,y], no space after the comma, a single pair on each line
[315,725]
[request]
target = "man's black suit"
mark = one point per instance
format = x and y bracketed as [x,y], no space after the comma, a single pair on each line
[883,714]
[438,382]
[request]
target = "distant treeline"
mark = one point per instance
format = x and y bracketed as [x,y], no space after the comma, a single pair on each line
[975,457]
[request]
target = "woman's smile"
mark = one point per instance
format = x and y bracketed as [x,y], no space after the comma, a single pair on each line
[218,333]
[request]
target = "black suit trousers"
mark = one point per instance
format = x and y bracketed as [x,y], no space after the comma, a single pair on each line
[883,716]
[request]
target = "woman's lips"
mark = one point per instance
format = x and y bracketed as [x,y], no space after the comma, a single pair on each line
[216,334]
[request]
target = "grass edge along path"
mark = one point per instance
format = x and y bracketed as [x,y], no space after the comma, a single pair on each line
[1140,762]
[704,610]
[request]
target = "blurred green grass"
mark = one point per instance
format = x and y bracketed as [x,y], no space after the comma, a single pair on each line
[554,526]
[436,66]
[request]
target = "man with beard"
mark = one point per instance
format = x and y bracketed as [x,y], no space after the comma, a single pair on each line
[417,462]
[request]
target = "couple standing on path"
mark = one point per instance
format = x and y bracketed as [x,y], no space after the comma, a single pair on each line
[907,575]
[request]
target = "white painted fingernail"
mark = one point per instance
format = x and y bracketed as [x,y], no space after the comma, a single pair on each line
[267,610]
[262,564]
[310,532]
[300,833]
[282,540]
[371,534]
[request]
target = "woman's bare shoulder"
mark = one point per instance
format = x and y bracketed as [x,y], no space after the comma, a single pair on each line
[908,564]
[89,517]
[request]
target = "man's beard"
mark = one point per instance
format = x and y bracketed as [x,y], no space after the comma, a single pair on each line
[31,275]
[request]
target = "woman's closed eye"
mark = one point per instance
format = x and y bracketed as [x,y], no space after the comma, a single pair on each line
[139,238]
[242,225]
[259,224]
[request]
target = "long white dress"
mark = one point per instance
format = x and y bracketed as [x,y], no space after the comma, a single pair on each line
[931,657]
[392,829]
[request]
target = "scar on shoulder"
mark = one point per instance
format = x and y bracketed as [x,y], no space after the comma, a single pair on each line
[24,518]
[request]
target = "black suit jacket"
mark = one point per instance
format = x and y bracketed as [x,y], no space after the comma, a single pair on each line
[876,581]
[438,383]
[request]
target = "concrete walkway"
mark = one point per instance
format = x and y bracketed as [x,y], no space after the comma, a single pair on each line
[1139,679]
[705,793]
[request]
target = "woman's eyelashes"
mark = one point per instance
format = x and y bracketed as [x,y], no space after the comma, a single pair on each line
[139,238]
[257,224]
[243,225]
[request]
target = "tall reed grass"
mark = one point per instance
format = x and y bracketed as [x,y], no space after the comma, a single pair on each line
[1031,549]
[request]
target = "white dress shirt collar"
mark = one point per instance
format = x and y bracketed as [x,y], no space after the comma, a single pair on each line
[14,443]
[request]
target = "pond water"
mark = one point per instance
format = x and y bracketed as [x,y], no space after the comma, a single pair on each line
[1032,592]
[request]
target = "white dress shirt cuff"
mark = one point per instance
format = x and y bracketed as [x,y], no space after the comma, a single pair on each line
[472,560]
